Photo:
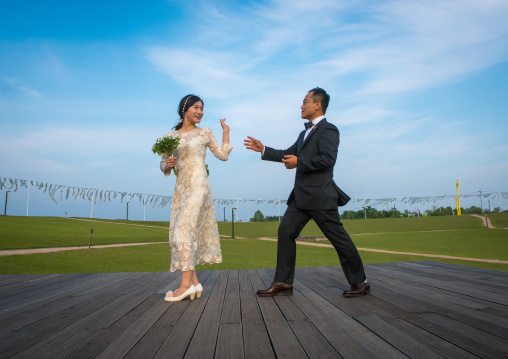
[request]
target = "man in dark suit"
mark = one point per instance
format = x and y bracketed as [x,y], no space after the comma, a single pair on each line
[315,195]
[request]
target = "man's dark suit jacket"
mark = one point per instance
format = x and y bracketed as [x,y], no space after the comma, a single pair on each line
[314,186]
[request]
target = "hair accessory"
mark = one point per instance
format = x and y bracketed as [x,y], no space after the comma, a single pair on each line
[185,103]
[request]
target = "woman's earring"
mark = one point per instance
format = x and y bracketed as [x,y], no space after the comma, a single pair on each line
[181,120]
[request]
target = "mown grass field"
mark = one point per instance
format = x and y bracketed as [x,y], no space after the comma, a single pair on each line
[499,219]
[455,236]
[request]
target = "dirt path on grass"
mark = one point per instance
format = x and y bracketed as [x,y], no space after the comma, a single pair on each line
[394,252]
[125,224]
[12,252]
[486,221]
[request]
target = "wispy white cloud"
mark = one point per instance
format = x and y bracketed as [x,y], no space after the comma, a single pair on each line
[78,142]
[30,91]
[9,84]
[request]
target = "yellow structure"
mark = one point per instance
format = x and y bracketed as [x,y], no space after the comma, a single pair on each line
[457,200]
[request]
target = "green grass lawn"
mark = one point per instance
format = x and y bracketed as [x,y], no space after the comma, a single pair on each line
[411,224]
[156,257]
[499,219]
[474,243]
[42,232]
[462,236]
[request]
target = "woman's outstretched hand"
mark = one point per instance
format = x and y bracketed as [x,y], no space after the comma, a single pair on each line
[223,124]
[252,144]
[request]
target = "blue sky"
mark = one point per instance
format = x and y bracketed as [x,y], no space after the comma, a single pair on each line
[418,92]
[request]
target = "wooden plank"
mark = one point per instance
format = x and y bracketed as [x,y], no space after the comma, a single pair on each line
[383,324]
[204,340]
[127,340]
[53,296]
[151,342]
[433,303]
[112,324]
[491,340]
[38,324]
[395,304]
[474,278]
[284,342]
[420,286]
[418,309]
[24,290]
[108,336]
[500,276]
[230,340]
[348,337]
[311,340]
[420,335]
[446,284]
[177,343]
[7,279]
[63,327]
[255,335]
[402,341]
[232,300]
[442,347]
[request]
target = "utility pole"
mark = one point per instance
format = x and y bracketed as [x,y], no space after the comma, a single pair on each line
[233,221]
[481,205]
[127,210]
[6,199]
[27,198]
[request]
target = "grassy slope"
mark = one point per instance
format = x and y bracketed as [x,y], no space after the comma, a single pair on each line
[40,232]
[269,229]
[156,257]
[466,238]
[499,219]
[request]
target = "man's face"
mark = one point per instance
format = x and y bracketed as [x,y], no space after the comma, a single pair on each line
[309,107]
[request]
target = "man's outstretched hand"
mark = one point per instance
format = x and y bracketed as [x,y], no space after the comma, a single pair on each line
[290,161]
[252,144]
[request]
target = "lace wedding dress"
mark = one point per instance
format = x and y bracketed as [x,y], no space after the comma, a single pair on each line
[193,231]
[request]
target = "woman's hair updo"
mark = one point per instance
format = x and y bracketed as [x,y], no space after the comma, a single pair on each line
[185,104]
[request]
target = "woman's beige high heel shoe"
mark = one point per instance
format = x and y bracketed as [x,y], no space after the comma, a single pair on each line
[199,289]
[189,292]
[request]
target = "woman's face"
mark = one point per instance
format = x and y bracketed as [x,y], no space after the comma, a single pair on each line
[194,113]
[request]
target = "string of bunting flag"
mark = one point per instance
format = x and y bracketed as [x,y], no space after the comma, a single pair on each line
[101,195]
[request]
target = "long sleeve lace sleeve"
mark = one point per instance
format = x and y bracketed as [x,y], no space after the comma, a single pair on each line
[164,166]
[221,152]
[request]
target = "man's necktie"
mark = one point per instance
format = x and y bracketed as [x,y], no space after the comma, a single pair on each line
[308,125]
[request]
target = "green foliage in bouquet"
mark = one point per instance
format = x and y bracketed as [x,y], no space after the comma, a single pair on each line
[166,144]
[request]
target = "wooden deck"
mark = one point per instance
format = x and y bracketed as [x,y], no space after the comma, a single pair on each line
[416,309]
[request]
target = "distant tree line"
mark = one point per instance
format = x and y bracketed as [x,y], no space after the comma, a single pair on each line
[259,217]
[369,212]
[372,213]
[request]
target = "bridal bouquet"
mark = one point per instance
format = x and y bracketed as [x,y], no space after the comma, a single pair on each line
[166,144]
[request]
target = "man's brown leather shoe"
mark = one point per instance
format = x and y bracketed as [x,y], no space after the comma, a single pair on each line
[357,290]
[277,288]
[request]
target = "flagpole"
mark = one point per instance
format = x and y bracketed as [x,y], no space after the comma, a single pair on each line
[27,198]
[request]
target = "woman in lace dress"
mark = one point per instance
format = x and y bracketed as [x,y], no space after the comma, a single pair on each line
[193,231]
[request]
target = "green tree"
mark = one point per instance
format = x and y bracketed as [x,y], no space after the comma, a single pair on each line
[258,217]
[473,210]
